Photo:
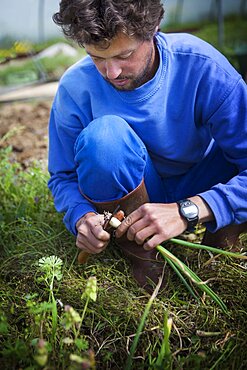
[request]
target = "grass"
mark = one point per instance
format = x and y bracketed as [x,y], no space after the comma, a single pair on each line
[97,328]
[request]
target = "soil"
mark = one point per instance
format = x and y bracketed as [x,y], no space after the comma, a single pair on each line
[24,127]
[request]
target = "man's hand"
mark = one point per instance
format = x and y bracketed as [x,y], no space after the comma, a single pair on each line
[91,236]
[154,223]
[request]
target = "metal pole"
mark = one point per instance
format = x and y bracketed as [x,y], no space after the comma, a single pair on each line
[179,10]
[41,9]
[242,7]
[41,36]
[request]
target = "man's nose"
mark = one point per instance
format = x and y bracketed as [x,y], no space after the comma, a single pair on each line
[113,69]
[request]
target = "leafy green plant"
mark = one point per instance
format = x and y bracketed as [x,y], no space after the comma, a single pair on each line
[23,193]
[72,322]
[71,338]
[71,319]
[51,270]
[4,326]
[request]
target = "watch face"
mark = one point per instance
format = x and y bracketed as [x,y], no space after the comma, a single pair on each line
[190,211]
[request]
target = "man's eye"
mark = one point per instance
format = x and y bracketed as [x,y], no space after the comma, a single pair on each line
[125,56]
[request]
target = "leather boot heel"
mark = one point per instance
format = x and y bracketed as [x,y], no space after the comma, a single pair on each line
[225,237]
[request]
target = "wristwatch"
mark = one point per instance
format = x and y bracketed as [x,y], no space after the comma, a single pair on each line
[189,211]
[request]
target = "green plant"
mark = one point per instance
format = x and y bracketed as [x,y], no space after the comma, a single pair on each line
[4,326]
[176,264]
[72,322]
[164,360]
[46,312]
[71,319]
[51,270]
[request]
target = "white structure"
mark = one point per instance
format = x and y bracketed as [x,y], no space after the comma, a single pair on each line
[32,19]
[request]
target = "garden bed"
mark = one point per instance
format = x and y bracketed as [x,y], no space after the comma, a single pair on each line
[23,125]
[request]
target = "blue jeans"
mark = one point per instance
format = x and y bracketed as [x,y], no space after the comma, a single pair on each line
[112,160]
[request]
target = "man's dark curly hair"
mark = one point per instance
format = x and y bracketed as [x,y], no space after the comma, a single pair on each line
[99,21]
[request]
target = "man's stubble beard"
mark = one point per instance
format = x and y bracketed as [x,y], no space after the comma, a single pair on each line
[144,76]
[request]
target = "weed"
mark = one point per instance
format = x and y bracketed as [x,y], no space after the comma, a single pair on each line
[51,269]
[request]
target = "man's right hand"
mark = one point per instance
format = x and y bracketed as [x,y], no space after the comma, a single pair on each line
[91,236]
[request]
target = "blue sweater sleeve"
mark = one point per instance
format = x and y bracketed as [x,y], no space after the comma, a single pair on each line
[228,125]
[63,183]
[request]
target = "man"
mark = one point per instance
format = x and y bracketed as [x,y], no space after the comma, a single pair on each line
[151,122]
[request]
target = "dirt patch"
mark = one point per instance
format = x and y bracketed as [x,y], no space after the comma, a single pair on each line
[24,126]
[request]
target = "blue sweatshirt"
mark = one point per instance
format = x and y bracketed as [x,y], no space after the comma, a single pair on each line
[196,97]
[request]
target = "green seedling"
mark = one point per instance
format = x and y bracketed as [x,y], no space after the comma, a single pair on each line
[89,294]
[72,321]
[51,270]
[41,355]
[163,361]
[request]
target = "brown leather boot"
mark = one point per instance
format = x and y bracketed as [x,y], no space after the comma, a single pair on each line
[146,266]
[225,237]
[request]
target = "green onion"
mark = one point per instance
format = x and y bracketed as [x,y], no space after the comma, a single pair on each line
[191,275]
[205,247]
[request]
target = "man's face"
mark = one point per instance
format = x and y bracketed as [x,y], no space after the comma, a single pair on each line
[127,63]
